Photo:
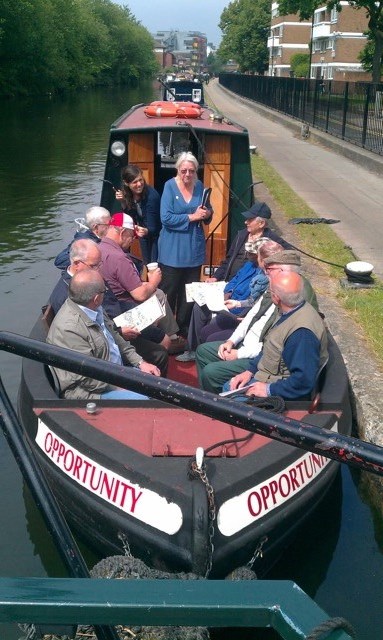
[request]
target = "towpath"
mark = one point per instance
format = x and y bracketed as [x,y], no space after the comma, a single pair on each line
[336,179]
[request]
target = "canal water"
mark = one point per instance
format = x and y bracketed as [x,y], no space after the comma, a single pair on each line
[52,153]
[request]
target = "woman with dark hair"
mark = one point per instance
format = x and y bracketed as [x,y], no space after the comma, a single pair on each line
[142,203]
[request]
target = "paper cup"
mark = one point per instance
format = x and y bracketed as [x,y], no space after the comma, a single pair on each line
[152,266]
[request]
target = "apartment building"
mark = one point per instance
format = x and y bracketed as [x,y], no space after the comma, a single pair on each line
[336,38]
[189,48]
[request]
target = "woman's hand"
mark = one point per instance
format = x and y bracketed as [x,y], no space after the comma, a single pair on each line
[199,214]
[119,194]
[232,304]
[141,232]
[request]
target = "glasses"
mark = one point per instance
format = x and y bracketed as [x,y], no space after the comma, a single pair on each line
[273,269]
[91,266]
[104,290]
[183,171]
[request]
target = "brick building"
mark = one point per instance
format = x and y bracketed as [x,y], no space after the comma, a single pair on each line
[337,38]
[188,48]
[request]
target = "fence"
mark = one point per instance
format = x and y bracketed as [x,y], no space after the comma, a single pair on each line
[352,111]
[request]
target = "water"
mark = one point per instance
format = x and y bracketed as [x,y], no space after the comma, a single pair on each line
[52,154]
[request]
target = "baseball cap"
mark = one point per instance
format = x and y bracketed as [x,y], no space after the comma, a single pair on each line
[258,210]
[287,256]
[121,220]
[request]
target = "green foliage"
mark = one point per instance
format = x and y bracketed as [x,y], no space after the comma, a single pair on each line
[300,63]
[245,26]
[52,45]
[214,64]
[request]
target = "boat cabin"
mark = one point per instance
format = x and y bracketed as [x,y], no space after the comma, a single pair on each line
[222,150]
[183,91]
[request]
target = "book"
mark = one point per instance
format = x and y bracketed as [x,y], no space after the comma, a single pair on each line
[141,316]
[210,294]
[236,392]
[205,202]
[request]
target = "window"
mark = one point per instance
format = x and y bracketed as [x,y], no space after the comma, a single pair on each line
[334,15]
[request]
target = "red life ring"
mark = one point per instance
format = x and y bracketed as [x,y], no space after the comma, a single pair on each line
[159,109]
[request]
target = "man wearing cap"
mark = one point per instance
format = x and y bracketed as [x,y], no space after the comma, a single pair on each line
[84,255]
[94,228]
[218,361]
[82,326]
[256,223]
[294,350]
[121,275]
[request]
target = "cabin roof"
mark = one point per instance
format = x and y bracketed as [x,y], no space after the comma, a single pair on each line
[135,119]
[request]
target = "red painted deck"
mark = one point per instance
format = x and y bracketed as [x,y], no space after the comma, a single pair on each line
[138,120]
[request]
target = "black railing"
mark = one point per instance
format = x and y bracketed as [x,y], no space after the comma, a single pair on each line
[352,111]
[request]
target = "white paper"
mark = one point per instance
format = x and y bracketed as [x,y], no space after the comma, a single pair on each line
[209,293]
[141,316]
[236,392]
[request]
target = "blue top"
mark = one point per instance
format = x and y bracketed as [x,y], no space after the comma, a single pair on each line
[249,282]
[181,242]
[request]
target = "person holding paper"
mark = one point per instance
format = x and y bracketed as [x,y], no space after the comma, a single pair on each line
[181,245]
[82,325]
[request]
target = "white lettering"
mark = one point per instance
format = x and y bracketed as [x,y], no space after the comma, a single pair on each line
[243,510]
[141,503]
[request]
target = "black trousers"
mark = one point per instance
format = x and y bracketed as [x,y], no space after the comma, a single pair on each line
[173,284]
[152,352]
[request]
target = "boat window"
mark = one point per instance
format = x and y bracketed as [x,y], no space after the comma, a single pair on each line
[171,143]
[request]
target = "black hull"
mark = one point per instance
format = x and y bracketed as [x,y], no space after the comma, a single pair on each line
[302,481]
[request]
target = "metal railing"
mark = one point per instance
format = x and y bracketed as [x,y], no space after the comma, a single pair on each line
[352,111]
[281,605]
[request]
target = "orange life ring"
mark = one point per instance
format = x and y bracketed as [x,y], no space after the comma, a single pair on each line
[160,109]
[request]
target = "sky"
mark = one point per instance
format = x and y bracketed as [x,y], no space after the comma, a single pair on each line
[180,15]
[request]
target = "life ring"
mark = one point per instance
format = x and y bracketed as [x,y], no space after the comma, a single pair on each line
[160,109]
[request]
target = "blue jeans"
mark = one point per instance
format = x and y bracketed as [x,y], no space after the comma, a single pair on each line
[122,394]
[239,398]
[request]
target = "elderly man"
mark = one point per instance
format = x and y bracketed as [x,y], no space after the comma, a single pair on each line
[256,223]
[82,326]
[294,350]
[95,227]
[121,275]
[85,255]
[217,361]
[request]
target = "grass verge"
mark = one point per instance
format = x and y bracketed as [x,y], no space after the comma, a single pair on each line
[365,306]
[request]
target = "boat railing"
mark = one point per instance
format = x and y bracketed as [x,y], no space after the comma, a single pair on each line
[344,449]
[51,603]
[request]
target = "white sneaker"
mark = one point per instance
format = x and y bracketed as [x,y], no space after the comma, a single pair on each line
[186,356]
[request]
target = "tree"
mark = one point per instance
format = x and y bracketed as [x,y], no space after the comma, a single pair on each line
[299,63]
[373,9]
[214,64]
[245,25]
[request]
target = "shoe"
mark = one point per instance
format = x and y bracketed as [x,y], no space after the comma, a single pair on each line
[186,356]
[177,346]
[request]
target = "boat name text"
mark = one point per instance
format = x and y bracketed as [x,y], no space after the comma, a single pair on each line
[141,503]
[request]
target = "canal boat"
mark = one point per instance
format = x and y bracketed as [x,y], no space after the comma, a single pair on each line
[180,487]
[127,473]
[183,90]
[152,136]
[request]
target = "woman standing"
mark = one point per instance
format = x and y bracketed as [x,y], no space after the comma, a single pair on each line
[142,203]
[181,246]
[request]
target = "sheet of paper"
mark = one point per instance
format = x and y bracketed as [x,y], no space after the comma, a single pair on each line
[141,316]
[209,293]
